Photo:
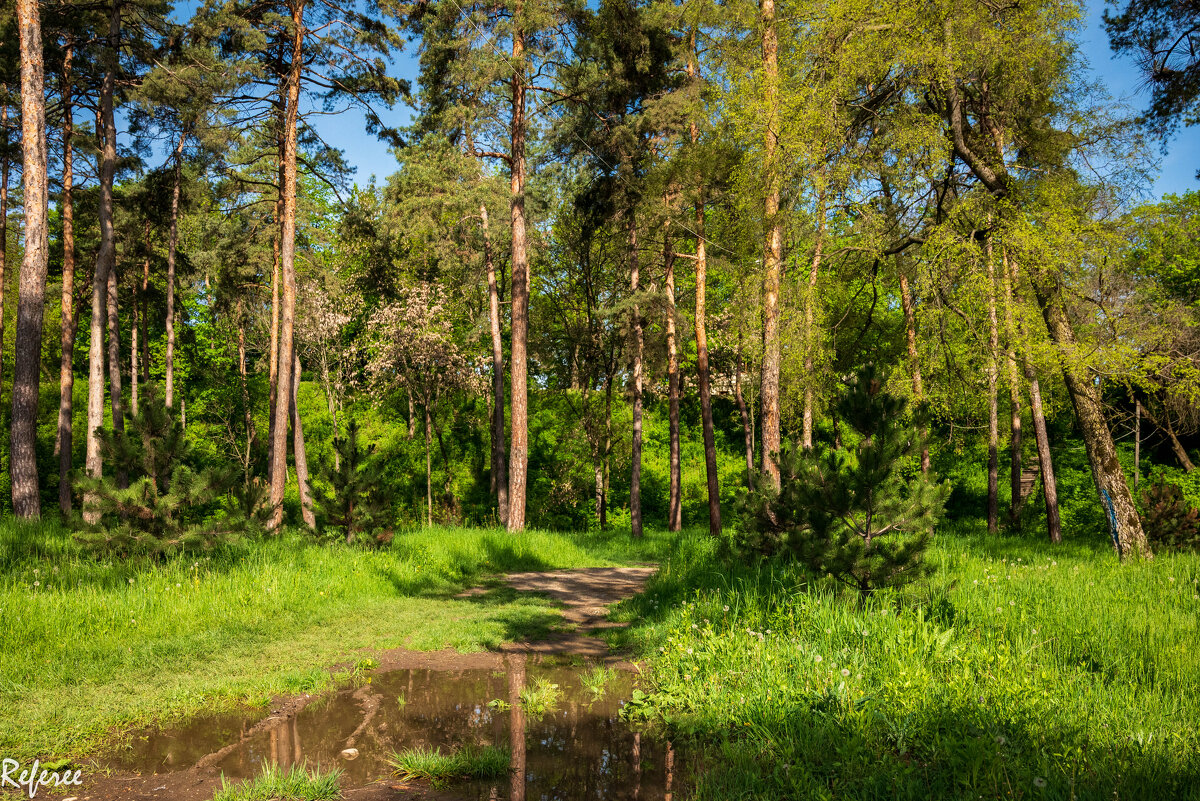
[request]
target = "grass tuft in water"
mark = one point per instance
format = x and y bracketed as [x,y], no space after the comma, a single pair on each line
[596,680]
[298,783]
[468,762]
[540,697]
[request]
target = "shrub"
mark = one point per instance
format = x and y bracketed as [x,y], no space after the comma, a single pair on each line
[1168,517]
[852,513]
[356,502]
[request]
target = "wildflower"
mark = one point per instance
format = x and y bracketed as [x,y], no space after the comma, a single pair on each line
[1035,631]
[37,583]
[689,650]
[177,585]
[846,672]
[818,657]
[1038,781]
[131,581]
[726,607]
[1000,740]
[859,677]
[1012,603]
[1171,579]
[1054,564]
[998,609]
[36,571]
[976,581]
[883,611]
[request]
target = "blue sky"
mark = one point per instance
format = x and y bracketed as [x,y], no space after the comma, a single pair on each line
[1177,169]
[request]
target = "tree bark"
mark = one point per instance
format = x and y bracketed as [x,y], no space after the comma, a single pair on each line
[499,457]
[810,322]
[1014,396]
[428,465]
[675,499]
[145,315]
[914,361]
[1129,539]
[772,250]
[5,167]
[66,371]
[276,270]
[1180,452]
[518,450]
[747,431]
[299,452]
[993,374]
[703,377]
[114,367]
[635,474]
[31,293]
[105,259]
[251,434]
[516,728]
[1045,462]
[287,259]
[608,390]
[172,246]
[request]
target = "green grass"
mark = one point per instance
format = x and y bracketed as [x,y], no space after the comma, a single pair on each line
[88,646]
[540,697]
[468,762]
[284,784]
[1021,670]
[596,680]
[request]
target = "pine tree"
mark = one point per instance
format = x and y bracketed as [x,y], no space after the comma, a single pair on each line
[168,505]
[356,503]
[858,514]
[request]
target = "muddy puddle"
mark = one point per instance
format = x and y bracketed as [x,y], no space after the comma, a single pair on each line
[578,747]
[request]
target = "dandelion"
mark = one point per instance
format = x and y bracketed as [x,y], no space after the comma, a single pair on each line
[1171,579]
[1012,603]
[1054,564]
[726,607]
[883,611]
[131,581]
[178,585]
[846,672]
[859,677]
[1000,740]
[1035,631]
[689,650]
[1038,781]
[976,581]
[998,609]
[37,583]
[818,657]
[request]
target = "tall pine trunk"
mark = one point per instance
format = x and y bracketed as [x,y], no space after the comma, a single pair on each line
[499,457]
[1015,463]
[105,259]
[114,367]
[1115,498]
[172,246]
[66,370]
[299,452]
[276,269]
[993,375]
[772,249]
[31,293]
[810,324]
[675,499]
[518,450]
[5,168]
[287,258]
[635,473]
[914,360]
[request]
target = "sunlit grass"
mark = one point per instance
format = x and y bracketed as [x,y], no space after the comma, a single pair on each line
[468,762]
[540,697]
[284,784]
[1019,670]
[596,680]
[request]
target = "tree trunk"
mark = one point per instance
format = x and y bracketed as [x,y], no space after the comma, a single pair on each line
[747,431]
[114,367]
[287,259]
[993,374]
[428,465]
[810,323]
[251,434]
[172,246]
[145,316]
[31,293]
[914,361]
[499,457]
[1045,462]
[5,167]
[675,501]
[516,726]
[635,475]
[1014,395]
[1117,501]
[772,251]
[1180,452]
[518,451]
[275,290]
[412,417]
[299,453]
[105,259]
[66,371]
[608,390]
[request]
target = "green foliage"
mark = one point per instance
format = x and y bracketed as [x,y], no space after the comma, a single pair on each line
[469,762]
[852,513]
[297,783]
[1168,518]
[540,697]
[167,504]
[356,502]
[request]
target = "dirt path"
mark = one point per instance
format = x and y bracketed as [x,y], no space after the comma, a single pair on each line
[584,596]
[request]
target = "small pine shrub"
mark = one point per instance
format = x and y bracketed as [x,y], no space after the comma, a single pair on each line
[1169,519]
[150,500]
[355,503]
[853,513]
